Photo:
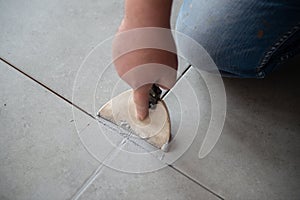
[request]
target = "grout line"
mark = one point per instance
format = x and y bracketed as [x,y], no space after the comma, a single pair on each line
[107,124]
[111,155]
[195,181]
[46,87]
[87,183]
[99,119]
[179,78]
[174,168]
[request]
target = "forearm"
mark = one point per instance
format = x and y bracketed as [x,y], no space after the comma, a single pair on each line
[147,13]
[148,62]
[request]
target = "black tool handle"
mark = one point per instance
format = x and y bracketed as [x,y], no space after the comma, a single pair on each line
[154,95]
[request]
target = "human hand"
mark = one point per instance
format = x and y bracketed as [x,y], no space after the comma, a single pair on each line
[141,67]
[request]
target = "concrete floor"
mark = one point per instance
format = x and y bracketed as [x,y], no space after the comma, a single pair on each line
[51,149]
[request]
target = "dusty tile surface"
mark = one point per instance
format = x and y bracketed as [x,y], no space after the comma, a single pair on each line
[49,151]
[257,155]
[50,40]
[165,183]
[41,154]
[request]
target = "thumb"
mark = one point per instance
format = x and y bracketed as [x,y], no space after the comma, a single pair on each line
[141,100]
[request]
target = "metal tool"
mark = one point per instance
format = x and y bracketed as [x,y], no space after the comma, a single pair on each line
[155,129]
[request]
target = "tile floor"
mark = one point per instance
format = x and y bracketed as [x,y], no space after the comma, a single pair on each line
[51,149]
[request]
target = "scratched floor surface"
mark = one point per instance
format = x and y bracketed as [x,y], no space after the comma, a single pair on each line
[53,147]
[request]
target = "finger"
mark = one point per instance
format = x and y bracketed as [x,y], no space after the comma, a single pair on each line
[141,100]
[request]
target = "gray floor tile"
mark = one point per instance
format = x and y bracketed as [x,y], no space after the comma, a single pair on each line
[165,183]
[255,158]
[41,154]
[50,39]
[257,155]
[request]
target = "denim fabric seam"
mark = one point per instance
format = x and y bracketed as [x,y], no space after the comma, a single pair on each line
[273,49]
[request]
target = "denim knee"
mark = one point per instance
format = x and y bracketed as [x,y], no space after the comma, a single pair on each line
[244,39]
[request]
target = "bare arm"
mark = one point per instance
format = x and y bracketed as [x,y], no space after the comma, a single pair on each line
[147,13]
[139,14]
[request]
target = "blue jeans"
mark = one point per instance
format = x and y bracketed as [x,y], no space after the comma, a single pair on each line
[247,39]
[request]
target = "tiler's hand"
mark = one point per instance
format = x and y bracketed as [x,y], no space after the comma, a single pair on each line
[143,54]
